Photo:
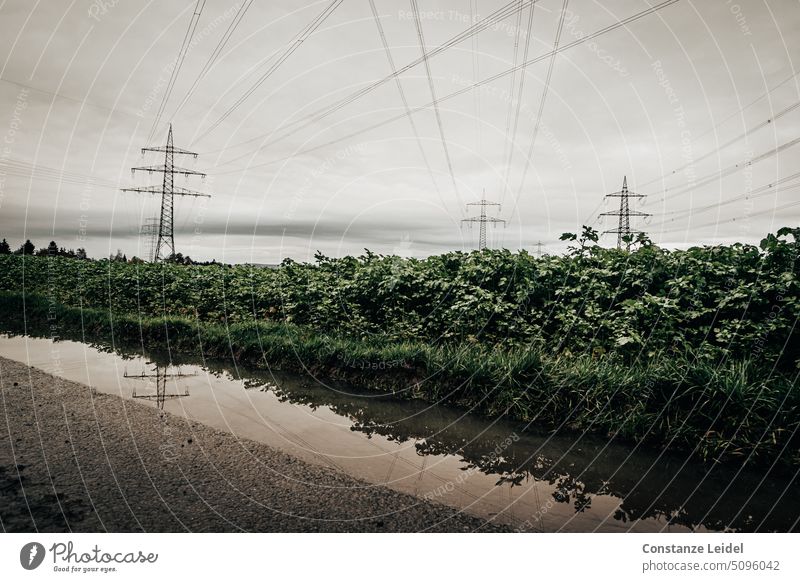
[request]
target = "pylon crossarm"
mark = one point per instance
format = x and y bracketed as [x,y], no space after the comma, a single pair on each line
[625,194]
[170,150]
[160,189]
[162,169]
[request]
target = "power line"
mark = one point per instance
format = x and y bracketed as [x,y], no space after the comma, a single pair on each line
[473,10]
[508,145]
[730,142]
[402,93]
[749,105]
[473,86]
[299,39]
[420,36]
[734,219]
[519,99]
[765,190]
[320,114]
[187,39]
[28,170]
[545,90]
[212,59]
[718,175]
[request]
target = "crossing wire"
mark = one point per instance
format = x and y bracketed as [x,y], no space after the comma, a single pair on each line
[212,59]
[437,113]
[187,39]
[288,51]
[519,98]
[512,89]
[759,192]
[545,90]
[718,222]
[738,138]
[402,93]
[728,118]
[472,87]
[23,169]
[309,119]
[719,174]
[473,10]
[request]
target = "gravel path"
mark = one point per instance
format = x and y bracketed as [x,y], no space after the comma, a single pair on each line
[74,460]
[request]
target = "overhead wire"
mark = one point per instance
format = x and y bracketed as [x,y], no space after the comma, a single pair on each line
[473,10]
[402,93]
[545,91]
[187,39]
[738,138]
[759,192]
[471,87]
[313,117]
[519,98]
[734,219]
[719,174]
[215,54]
[437,113]
[298,40]
[508,145]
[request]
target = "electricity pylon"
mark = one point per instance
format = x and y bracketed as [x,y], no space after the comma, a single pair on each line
[149,233]
[161,376]
[623,230]
[165,243]
[483,219]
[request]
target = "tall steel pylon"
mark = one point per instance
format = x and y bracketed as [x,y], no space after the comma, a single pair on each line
[165,243]
[624,214]
[483,219]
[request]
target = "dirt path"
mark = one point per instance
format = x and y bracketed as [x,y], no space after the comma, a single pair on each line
[74,460]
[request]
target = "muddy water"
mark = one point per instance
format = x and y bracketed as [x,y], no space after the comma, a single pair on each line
[490,468]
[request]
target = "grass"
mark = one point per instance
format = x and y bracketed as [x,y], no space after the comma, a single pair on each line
[718,410]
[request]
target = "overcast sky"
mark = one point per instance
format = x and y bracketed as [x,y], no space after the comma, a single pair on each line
[81,83]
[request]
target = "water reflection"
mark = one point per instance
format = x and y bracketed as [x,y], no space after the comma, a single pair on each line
[160,375]
[579,469]
[532,480]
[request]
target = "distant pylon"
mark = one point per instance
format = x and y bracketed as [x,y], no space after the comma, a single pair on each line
[483,219]
[149,233]
[539,246]
[165,243]
[624,213]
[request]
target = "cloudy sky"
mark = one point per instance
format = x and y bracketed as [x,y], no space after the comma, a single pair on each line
[695,102]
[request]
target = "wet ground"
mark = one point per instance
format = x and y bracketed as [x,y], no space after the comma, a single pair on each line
[493,470]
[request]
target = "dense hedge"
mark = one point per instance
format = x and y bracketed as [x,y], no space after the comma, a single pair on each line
[736,300]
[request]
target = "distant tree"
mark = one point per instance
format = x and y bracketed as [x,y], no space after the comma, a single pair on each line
[176,258]
[81,253]
[5,248]
[52,249]
[26,249]
[119,257]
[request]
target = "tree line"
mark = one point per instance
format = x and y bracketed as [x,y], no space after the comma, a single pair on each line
[54,250]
